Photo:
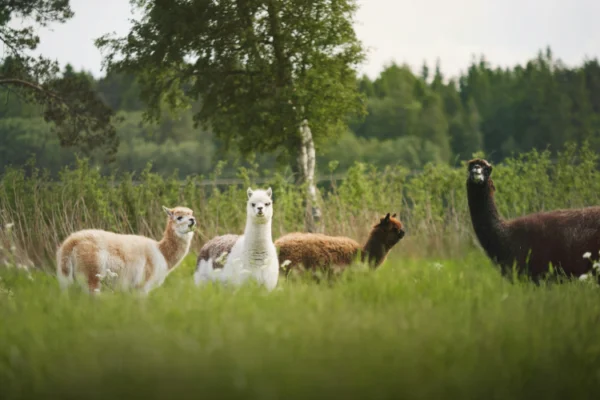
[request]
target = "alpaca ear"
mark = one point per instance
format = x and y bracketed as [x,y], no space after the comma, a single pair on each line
[249,192]
[475,161]
[386,219]
[394,215]
[168,211]
[269,192]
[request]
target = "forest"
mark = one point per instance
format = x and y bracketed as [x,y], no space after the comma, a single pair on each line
[412,118]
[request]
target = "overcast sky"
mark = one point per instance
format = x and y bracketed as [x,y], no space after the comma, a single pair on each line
[507,32]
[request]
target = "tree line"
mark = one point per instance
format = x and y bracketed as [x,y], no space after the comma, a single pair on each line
[542,104]
[411,119]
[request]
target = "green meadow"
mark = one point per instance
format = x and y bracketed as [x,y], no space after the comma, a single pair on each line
[418,329]
[435,321]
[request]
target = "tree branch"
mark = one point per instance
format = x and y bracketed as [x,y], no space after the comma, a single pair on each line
[29,85]
[8,44]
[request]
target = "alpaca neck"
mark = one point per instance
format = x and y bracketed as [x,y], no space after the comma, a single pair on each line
[257,236]
[174,247]
[485,218]
[374,251]
[257,243]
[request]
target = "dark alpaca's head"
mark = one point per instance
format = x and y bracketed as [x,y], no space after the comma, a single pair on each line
[479,172]
[389,230]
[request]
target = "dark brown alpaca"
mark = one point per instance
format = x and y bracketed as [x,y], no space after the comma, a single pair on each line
[314,250]
[533,242]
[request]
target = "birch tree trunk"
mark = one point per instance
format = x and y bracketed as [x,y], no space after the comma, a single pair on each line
[306,162]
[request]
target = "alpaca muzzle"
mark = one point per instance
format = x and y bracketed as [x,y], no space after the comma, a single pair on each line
[476,174]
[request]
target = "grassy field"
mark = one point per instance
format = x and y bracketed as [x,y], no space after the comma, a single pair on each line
[436,321]
[418,329]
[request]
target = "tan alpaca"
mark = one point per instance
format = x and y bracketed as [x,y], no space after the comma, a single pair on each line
[134,261]
[314,250]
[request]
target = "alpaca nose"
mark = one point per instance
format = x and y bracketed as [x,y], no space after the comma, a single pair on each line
[259,209]
[477,170]
[401,234]
[192,221]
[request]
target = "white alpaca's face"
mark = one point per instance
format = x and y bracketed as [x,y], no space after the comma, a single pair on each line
[260,205]
[182,219]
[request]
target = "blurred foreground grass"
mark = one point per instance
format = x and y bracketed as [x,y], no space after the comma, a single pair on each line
[418,329]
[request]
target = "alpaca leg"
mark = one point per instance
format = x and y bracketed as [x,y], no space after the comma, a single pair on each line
[205,272]
[94,284]
[64,274]
[94,280]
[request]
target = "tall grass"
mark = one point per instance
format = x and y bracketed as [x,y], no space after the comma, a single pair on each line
[432,204]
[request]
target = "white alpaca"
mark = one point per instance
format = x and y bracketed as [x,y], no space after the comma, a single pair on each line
[253,255]
[132,261]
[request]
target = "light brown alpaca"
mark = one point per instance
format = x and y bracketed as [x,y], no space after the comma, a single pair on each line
[313,250]
[134,261]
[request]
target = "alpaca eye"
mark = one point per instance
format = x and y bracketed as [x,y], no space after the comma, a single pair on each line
[253,204]
[267,204]
[179,218]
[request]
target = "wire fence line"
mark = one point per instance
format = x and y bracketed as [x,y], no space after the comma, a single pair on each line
[261,180]
[340,176]
[318,179]
[229,181]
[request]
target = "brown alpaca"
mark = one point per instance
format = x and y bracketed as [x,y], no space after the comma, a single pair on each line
[217,249]
[534,241]
[213,255]
[314,250]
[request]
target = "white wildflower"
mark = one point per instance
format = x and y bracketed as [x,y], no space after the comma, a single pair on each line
[587,254]
[9,226]
[221,258]
[111,273]
[285,263]
[437,265]
[584,277]
[22,266]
